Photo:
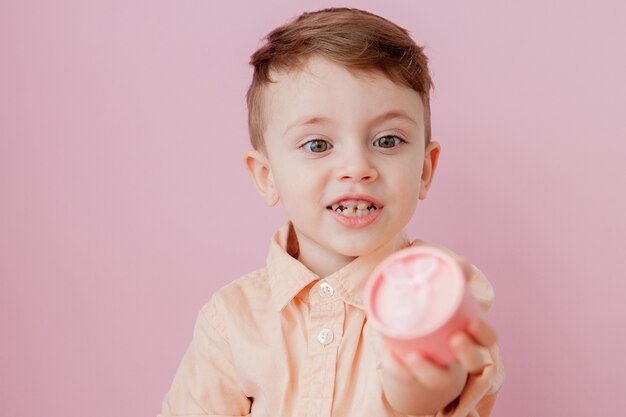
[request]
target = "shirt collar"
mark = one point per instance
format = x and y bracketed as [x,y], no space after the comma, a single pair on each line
[288,276]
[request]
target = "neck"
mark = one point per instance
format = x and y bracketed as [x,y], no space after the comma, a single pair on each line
[320,260]
[324,261]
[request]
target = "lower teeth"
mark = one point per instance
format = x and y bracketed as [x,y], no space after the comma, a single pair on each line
[355,213]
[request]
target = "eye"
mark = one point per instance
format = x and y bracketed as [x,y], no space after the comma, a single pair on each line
[388,142]
[317,146]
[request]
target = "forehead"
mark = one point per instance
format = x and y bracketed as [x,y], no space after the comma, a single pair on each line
[322,88]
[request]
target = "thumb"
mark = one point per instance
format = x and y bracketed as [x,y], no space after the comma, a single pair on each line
[430,373]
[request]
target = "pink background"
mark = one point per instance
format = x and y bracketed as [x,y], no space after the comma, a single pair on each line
[125,203]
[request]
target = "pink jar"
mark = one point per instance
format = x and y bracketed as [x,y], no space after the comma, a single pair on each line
[417,298]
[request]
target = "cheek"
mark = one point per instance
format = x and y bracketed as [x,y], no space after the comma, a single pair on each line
[296,185]
[407,181]
[407,188]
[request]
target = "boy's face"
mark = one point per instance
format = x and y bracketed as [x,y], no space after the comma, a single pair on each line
[373,167]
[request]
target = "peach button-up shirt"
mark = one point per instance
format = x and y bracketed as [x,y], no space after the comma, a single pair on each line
[280,341]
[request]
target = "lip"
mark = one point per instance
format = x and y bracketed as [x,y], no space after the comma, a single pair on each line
[354,222]
[353,196]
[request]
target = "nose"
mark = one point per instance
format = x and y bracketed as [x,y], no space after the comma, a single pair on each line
[355,167]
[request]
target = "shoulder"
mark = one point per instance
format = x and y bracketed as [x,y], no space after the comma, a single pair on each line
[252,282]
[238,295]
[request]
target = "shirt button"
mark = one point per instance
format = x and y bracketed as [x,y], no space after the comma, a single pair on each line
[326,290]
[325,336]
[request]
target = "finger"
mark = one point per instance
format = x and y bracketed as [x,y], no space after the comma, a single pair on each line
[470,355]
[477,387]
[482,332]
[431,374]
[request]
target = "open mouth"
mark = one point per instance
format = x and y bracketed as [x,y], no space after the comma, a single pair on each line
[353,208]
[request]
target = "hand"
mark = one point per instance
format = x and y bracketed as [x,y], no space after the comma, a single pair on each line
[418,386]
[443,384]
[470,347]
[482,371]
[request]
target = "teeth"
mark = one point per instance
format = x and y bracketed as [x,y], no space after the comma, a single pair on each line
[354,208]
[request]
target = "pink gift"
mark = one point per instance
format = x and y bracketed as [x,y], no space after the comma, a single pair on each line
[417,298]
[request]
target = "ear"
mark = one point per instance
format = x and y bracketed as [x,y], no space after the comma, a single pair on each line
[431,157]
[258,166]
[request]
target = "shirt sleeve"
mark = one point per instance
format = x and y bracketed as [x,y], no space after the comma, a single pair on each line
[480,392]
[206,382]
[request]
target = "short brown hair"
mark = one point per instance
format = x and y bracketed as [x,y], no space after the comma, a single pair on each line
[356,39]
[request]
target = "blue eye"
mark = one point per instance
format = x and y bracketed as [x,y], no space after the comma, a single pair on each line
[317,146]
[388,142]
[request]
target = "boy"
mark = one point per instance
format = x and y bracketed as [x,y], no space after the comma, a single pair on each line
[339,120]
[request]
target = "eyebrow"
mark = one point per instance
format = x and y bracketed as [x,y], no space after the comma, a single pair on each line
[393,114]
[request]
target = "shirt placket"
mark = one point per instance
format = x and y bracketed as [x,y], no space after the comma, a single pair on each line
[327,315]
